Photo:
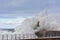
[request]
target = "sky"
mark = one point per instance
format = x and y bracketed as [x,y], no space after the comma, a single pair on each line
[13,12]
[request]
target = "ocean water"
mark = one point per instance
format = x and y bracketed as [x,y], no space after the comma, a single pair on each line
[47,21]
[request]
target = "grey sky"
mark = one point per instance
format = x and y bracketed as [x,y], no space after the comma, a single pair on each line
[15,11]
[14,8]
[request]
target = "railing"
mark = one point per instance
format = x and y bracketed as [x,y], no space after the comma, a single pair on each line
[52,34]
[48,33]
[14,36]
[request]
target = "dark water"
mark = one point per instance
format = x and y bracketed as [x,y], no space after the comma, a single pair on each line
[9,30]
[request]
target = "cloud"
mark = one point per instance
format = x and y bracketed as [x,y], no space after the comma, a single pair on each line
[10,23]
[25,8]
[27,4]
[12,3]
[19,13]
